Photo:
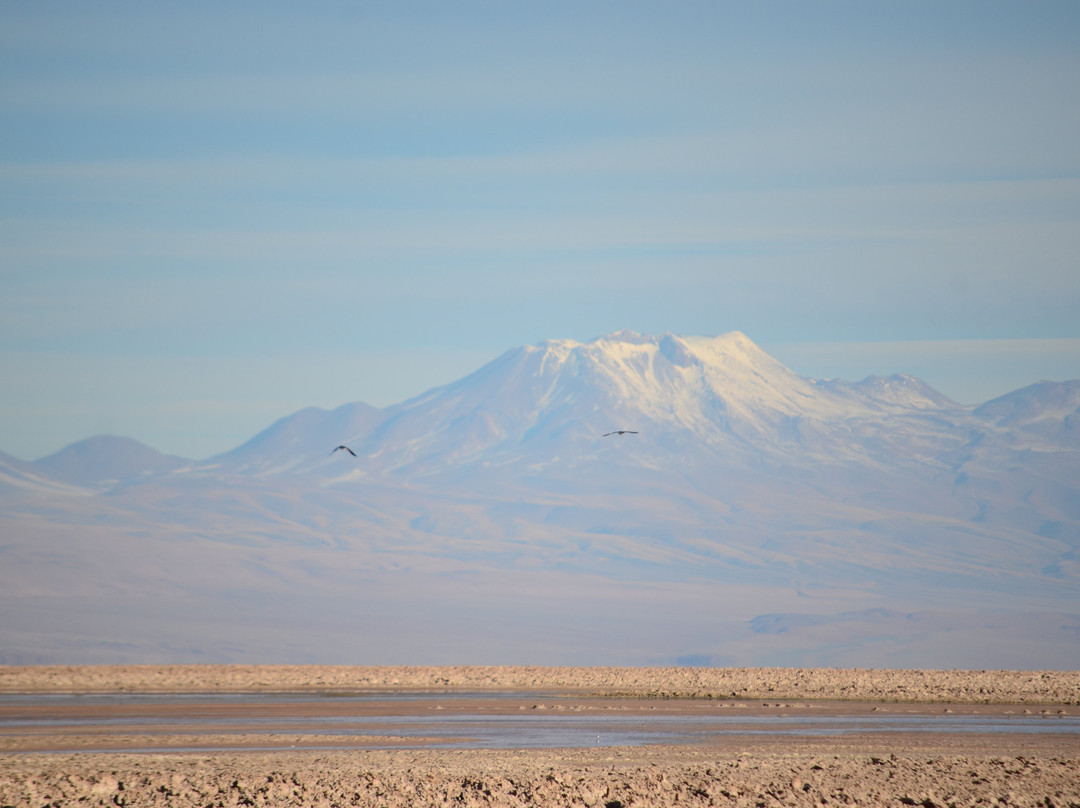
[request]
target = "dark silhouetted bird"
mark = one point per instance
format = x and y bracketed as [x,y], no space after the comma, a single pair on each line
[621,432]
[346,448]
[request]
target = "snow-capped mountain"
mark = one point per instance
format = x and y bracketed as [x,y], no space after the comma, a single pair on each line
[753,516]
[548,404]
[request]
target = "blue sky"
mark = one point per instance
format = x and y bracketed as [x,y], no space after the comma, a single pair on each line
[215,214]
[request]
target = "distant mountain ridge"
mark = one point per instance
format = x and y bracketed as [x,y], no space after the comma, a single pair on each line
[756,516]
[20,476]
[710,386]
[1048,409]
[557,397]
[310,433]
[107,460]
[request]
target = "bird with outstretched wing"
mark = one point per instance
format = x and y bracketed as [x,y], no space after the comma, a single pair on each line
[346,448]
[621,432]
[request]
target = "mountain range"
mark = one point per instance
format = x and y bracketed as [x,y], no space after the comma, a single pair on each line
[748,516]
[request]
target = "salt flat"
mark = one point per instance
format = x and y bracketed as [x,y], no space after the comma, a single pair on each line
[986,686]
[894,768]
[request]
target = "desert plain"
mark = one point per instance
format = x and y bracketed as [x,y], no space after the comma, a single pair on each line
[98,752]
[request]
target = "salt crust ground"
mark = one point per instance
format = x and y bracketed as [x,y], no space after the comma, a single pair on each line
[807,775]
[833,684]
[895,770]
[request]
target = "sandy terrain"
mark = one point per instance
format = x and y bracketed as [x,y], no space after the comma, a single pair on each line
[871,769]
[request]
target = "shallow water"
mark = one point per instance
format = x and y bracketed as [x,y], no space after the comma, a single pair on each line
[451,721]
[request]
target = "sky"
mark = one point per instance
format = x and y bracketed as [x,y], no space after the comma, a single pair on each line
[215,214]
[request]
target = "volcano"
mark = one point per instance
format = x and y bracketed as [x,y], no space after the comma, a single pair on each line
[757,517]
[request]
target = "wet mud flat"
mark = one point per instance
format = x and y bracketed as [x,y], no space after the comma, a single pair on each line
[313,747]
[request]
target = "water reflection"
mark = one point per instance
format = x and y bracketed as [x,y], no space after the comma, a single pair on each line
[476,721]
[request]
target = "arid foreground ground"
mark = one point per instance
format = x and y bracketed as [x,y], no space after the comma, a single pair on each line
[893,768]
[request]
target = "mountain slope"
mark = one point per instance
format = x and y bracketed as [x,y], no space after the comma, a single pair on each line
[305,437]
[1050,410]
[107,460]
[20,477]
[545,405]
[756,517]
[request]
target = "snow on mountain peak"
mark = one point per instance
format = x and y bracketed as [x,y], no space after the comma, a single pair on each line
[902,390]
[697,383]
[561,392]
[536,403]
[723,389]
[627,336]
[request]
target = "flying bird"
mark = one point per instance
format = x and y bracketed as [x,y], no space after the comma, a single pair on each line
[621,432]
[346,448]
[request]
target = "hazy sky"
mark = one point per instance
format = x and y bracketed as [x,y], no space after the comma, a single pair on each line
[214,214]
